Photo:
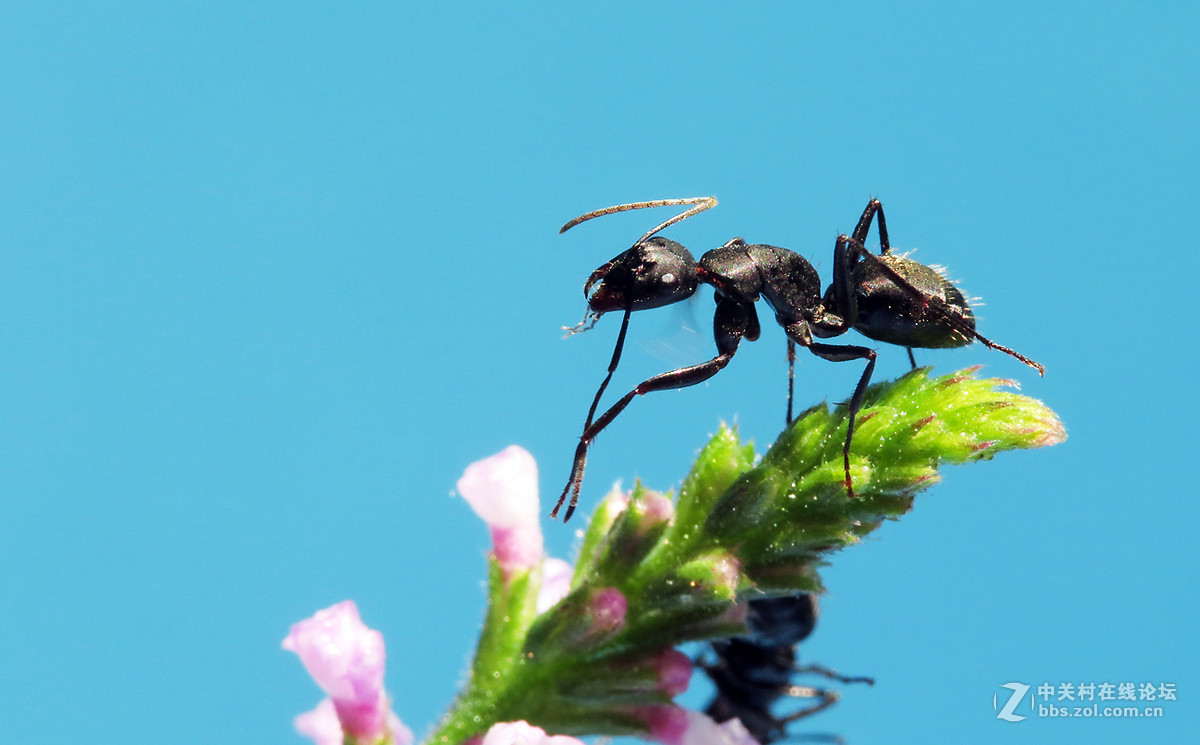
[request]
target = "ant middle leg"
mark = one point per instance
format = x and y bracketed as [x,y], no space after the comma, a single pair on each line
[845,353]
[733,320]
[791,357]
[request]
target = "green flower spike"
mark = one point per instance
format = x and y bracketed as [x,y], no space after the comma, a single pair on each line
[647,580]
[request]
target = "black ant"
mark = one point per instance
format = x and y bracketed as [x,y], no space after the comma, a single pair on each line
[887,298]
[754,671]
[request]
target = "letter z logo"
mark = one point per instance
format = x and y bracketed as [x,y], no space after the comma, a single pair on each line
[1018,692]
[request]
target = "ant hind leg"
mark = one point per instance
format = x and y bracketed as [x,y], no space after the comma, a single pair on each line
[874,209]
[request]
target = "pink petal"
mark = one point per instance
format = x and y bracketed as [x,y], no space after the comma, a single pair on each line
[556,583]
[320,725]
[608,610]
[524,733]
[363,719]
[346,659]
[401,735]
[674,672]
[658,509]
[503,491]
[668,724]
[701,730]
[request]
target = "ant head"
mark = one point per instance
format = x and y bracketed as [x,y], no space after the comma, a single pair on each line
[654,273]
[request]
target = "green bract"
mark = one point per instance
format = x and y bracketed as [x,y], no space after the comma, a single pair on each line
[739,531]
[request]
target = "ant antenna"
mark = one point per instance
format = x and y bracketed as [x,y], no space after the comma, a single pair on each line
[699,204]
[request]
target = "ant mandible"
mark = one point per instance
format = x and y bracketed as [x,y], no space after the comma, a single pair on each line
[888,298]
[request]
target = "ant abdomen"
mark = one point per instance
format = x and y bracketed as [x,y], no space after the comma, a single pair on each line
[892,314]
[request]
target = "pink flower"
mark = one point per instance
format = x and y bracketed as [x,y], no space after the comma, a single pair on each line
[346,659]
[503,491]
[608,608]
[658,509]
[556,583]
[674,672]
[321,725]
[667,724]
[524,733]
[702,730]
[672,725]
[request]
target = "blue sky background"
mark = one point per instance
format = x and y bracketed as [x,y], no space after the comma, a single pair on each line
[272,276]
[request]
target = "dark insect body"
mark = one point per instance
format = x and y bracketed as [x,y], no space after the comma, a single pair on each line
[885,297]
[753,672]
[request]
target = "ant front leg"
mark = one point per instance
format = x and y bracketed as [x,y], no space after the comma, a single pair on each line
[612,366]
[733,320]
[840,353]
